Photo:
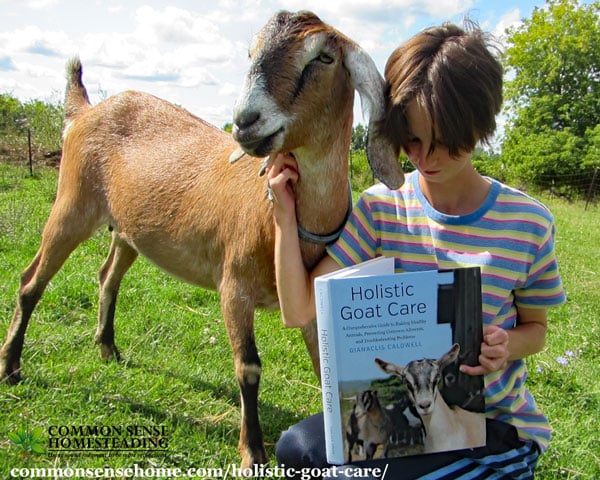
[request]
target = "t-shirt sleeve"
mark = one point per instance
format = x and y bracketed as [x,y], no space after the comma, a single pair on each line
[543,287]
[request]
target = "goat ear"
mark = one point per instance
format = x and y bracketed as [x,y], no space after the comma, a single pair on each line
[389,367]
[449,357]
[371,88]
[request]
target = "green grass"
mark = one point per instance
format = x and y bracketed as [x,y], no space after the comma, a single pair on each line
[177,368]
[565,377]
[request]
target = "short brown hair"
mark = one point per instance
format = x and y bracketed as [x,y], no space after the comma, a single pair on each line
[454,76]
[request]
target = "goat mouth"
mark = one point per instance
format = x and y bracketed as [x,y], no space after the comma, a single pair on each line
[262,146]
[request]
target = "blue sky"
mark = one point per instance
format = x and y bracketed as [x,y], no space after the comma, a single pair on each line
[194,52]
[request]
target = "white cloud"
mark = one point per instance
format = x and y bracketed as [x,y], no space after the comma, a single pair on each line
[41,4]
[189,52]
[228,89]
[32,39]
[386,11]
[510,19]
[170,45]
[113,50]
[7,84]
[173,25]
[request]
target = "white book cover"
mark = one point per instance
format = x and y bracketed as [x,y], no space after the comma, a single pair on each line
[379,331]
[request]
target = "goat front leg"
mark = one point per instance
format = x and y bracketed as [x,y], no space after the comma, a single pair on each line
[311,340]
[120,258]
[238,314]
[370,451]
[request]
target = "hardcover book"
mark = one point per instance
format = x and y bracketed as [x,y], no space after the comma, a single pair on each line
[391,345]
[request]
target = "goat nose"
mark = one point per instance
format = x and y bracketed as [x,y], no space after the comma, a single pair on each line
[246,118]
[425,405]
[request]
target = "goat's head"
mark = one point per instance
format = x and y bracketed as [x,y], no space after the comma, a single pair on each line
[422,377]
[366,401]
[299,92]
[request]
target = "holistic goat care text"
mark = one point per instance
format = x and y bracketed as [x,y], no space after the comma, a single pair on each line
[392,308]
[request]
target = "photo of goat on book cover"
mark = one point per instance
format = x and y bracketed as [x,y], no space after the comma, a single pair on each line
[391,346]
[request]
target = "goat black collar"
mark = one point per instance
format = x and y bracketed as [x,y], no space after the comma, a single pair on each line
[328,238]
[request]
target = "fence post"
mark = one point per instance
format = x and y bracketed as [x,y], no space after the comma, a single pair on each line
[30,153]
[591,189]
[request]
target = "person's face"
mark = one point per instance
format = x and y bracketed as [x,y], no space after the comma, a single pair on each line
[435,164]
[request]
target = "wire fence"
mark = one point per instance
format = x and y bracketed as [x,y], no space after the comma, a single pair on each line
[23,149]
[571,186]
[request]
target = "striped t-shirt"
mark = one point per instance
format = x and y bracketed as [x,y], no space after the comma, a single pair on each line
[510,237]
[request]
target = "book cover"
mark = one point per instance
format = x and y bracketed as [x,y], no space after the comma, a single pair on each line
[391,345]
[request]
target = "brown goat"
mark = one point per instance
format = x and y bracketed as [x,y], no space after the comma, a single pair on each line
[161,179]
[369,426]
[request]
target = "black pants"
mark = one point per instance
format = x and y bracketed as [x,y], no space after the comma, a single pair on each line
[302,446]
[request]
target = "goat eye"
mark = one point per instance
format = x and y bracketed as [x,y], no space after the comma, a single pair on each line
[324,58]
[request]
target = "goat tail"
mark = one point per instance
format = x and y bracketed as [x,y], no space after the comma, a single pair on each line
[76,96]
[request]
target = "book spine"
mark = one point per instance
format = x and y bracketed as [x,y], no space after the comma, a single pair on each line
[332,415]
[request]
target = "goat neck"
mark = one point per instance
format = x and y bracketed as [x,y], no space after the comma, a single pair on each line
[322,199]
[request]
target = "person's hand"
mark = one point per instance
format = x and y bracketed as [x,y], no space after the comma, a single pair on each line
[282,174]
[494,352]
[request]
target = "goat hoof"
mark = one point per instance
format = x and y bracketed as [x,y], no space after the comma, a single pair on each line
[110,352]
[251,458]
[11,378]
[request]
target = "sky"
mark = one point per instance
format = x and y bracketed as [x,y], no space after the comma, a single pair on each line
[195,52]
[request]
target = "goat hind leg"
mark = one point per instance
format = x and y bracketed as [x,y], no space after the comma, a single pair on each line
[120,258]
[238,315]
[57,244]
[28,297]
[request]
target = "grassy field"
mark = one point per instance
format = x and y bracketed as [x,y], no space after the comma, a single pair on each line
[177,369]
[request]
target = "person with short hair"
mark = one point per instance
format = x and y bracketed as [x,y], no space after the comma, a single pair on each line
[444,92]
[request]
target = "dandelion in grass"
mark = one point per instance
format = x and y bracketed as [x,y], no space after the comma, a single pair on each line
[212,340]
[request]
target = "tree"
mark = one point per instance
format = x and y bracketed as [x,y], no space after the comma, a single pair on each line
[45,121]
[553,96]
[42,119]
[11,115]
[359,138]
[488,163]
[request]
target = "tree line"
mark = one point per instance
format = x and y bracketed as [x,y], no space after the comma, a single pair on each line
[552,103]
[43,119]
